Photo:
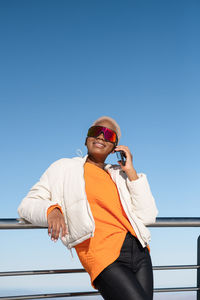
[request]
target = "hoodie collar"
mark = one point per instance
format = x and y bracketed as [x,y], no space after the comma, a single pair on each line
[84,158]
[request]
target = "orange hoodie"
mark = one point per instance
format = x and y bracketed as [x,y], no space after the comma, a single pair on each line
[111,223]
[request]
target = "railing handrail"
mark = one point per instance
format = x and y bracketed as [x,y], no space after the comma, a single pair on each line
[17,223]
[72,271]
[91,293]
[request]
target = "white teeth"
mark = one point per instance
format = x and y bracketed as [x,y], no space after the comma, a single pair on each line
[99,145]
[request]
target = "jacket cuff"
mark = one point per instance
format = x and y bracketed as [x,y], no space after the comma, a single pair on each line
[52,207]
[138,184]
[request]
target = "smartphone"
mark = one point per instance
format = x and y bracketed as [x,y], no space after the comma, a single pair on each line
[121,156]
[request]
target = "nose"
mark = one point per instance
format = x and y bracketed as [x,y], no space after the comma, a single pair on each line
[101,136]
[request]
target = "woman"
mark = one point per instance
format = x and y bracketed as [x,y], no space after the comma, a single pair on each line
[101,210]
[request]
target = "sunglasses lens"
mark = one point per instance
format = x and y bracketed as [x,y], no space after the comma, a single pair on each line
[94,131]
[109,134]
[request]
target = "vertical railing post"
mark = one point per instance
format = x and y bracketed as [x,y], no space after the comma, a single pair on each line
[198,269]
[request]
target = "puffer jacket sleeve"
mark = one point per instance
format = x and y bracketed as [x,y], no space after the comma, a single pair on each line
[34,206]
[143,202]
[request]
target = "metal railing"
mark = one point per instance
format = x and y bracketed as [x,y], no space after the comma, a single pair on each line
[7,224]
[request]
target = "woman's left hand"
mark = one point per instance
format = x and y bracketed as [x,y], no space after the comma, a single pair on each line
[128,168]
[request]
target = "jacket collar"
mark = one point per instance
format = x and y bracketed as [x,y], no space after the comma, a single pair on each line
[84,158]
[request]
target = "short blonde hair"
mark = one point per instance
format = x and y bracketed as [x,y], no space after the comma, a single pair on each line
[111,120]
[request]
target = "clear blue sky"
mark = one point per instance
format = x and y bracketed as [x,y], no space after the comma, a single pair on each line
[65,63]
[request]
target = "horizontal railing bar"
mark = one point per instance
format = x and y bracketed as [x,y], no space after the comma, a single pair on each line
[176,267]
[52,295]
[75,294]
[41,272]
[71,271]
[17,224]
[13,223]
[160,222]
[179,289]
[176,222]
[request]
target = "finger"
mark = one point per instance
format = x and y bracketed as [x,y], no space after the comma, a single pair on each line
[53,231]
[123,148]
[64,229]
[127,153]
[56,231]
[49,228]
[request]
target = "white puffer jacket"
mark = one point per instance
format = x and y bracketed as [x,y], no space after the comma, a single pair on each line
[63,183]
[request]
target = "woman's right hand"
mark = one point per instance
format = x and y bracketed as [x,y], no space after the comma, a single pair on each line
[56,224]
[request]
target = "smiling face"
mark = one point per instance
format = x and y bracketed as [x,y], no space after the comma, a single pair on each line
[97,146]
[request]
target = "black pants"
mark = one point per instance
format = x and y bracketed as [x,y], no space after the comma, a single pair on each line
[130,276]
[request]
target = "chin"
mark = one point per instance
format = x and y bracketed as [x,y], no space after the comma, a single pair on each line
[98,153]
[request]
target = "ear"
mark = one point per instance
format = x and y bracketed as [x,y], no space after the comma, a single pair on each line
[86,141]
